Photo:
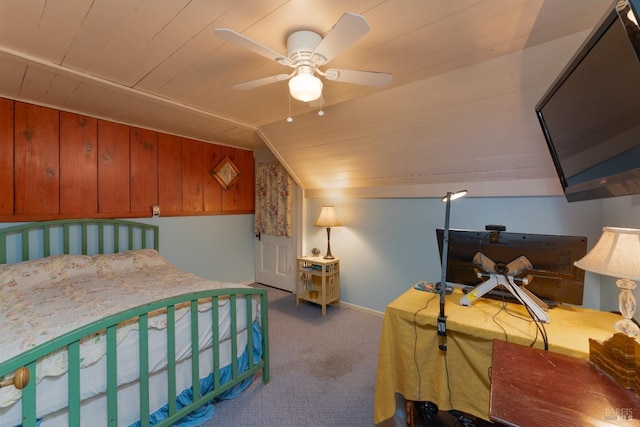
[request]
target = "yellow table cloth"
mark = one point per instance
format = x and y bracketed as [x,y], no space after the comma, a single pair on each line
[410,363]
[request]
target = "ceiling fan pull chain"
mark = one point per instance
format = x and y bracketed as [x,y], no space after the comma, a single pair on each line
[289,118]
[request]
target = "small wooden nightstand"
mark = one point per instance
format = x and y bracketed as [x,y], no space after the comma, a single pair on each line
[318,281]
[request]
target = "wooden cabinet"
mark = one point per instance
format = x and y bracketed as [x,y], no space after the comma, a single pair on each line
[170,186]
[211,156]
[191,175]
[6,156]
[318,281]
[55,164]
[144,170]
[37,161]
[113,168]
[78,164]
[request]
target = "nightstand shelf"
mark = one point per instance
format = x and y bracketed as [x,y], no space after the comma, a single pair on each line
[318,281]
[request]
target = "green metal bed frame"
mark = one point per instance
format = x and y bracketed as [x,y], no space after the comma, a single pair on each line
[138,236]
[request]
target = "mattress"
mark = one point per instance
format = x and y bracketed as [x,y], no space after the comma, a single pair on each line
[45,298]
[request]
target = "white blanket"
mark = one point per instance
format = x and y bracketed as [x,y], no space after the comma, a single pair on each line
[45,298]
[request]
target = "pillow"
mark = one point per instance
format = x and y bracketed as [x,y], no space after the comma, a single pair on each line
[58,267]
[128,260]
[74,265]
[148,258]
[47,269]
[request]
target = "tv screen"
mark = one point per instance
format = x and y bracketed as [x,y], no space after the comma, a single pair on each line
[555,278]
[590,116]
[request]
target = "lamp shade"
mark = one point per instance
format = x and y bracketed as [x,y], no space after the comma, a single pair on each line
[453,196]
[305,87]
[327,218]
[616,254]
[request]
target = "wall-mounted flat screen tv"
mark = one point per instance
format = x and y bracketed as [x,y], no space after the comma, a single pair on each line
[590,116]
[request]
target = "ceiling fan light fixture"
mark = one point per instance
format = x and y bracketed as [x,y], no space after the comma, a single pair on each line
[307,50]
[305,87]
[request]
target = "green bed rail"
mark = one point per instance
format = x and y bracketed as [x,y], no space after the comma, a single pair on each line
[56,237]
[71,341]
[89,236]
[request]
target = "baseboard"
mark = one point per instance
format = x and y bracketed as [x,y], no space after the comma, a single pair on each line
[342,303]
[362,309]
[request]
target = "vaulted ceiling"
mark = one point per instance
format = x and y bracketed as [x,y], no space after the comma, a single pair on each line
[459,111]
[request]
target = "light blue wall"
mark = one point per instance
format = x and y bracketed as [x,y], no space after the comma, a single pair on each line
[220,247]
[618,212]
[386,245]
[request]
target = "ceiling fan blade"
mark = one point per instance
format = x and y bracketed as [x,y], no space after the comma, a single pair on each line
[262,82]
[368,78]
[349,28]
[251,45]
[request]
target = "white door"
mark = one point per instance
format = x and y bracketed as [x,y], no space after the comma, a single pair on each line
[276,255]
[275,261]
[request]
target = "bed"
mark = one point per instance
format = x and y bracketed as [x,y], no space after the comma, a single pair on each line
[97,328]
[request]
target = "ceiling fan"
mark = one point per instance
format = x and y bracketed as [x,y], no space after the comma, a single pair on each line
[306,52]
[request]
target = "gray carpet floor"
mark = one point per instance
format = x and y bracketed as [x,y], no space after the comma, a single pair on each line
[323,369]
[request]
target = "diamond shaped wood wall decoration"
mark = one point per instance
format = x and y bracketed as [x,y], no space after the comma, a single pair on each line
[226,173]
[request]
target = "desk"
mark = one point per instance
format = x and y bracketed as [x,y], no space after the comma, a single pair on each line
[410,363]
[536,388]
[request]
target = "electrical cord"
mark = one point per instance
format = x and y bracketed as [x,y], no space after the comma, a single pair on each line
[517,316]
[461,419]
[505,308]
[446,370]
[539,325]
[429,410]
[487,234]
[415,342]
[495,320]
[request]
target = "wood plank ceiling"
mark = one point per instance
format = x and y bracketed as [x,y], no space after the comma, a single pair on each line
[459,112]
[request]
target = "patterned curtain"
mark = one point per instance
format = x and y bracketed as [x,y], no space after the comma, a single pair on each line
[274,200]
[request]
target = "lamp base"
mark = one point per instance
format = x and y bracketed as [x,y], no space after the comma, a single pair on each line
[627,304]
[328,255]
[627,327]
[618,357]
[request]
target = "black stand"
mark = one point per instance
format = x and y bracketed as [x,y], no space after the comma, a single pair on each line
[442,319]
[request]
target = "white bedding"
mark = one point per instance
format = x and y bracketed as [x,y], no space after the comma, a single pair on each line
[45,298]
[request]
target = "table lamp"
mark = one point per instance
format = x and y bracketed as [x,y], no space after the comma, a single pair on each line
[617,254]
[328,219]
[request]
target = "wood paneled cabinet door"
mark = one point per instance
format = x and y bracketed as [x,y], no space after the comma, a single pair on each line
[55,164]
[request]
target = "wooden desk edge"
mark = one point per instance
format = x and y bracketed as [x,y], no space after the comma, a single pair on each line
[587,378]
